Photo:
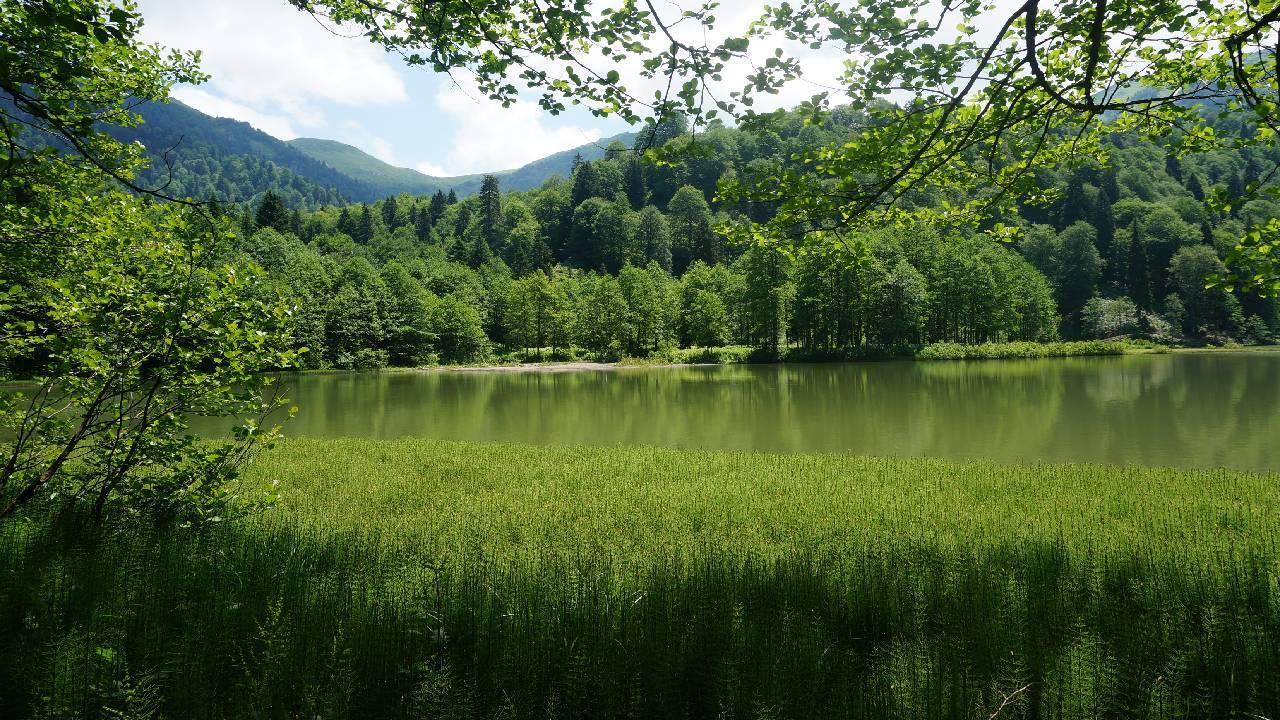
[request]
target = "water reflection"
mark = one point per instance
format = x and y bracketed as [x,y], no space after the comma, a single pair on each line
[1215,409]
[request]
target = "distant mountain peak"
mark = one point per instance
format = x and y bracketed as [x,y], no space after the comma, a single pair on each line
[230,160]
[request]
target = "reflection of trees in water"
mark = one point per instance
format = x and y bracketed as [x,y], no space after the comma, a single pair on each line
[1163,409]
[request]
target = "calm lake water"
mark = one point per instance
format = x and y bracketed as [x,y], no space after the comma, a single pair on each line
[1210,409]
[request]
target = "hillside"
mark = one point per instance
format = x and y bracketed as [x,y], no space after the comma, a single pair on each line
[384,179]
[389,180]
[197,155]
[535,173]
[200,156]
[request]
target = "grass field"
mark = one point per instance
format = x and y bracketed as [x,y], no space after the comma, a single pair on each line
[424,579]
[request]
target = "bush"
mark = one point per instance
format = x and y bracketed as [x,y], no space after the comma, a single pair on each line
[1000,351]
[1109,317]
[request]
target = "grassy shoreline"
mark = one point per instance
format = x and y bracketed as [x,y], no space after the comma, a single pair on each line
[419,578]
[743,355]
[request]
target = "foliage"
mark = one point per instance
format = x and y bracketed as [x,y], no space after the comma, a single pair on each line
[1103,318]
[1001,351]
[130,329]
[986,96]
[122,319]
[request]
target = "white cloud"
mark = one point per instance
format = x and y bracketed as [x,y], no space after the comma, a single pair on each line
[381,149]
[431,169]
[269,57]
[491,138]
[209,104]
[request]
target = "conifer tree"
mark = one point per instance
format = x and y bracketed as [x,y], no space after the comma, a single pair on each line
[637,193]
[480,254]
[438,204]
[390,212]
[364,227]
[1173,167]
[1252,169]
[1075,204]
[1206,233]
[1235,185]
[586,184]
[1104,222]
[345,225]
[422,225]
[1139,272]
[490,201]
[453,197]
[1195,187]
[272,213]
[1110,185]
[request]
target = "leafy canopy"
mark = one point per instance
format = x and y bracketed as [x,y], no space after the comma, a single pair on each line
[952,95]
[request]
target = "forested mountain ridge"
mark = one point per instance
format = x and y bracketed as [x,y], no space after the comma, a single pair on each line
[205,157]
[195,155]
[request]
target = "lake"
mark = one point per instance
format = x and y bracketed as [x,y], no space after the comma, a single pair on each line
[1183,409]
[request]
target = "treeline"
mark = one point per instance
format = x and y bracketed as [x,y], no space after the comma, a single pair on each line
[623,259]
[387,297]
[1129,248]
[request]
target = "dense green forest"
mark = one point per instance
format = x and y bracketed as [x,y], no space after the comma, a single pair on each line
[624,259]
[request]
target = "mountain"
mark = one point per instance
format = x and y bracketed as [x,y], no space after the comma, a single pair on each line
[196,155]
[390,180]
[383,178]
[535,173]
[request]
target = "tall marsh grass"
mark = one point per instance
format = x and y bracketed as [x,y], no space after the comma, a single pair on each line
[423,579]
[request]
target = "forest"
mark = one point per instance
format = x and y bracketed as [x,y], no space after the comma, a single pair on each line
[626,259]
[630,490]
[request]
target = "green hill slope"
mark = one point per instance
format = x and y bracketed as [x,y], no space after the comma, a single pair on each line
[383,178]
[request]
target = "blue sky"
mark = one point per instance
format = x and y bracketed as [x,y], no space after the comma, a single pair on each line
[287,74]
[284,73]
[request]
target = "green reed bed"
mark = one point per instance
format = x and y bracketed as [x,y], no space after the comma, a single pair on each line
[427,579]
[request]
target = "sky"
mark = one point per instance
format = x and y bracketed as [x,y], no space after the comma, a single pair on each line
[288,75]
[284,73]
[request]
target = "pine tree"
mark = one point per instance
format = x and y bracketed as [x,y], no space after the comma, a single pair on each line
[1075,204]
[480,253]
[422,225]
[390,212]
[1173,167]
[1139,272]
[1105,223]
[364,227]
[345,225]
[637,194]
[1235,190]
[1235,185]
[586,184]
[1252,169]
[272,213]
[438,204]
[1195,187]
[453,198]
[490,201]
[1206,233]
[1110,185]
